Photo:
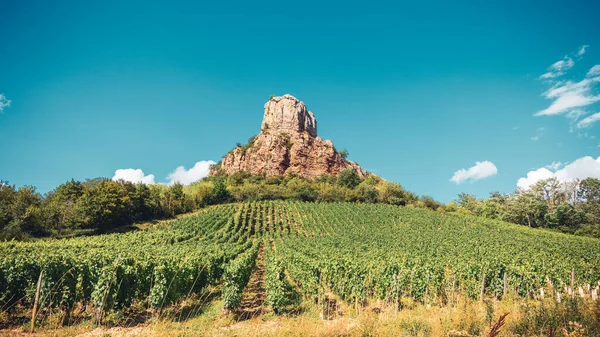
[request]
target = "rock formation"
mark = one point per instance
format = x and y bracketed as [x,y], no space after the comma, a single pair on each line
[287,144]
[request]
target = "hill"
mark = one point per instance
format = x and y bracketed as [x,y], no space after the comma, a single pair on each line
[296,254]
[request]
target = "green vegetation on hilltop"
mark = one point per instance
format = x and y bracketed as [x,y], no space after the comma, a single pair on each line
[102,205]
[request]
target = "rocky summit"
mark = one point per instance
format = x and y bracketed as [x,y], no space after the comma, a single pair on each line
[287,144]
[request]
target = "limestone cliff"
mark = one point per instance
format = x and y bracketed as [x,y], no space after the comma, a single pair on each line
[287,143]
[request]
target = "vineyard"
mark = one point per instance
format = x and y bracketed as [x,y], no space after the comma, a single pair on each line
[311,251]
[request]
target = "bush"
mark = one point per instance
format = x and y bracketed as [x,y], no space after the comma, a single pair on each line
[218,193]
[391,193]
[348,178]
[305,193]
[277,180]
[366,193]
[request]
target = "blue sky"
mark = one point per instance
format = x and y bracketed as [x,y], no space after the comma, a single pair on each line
[415,92]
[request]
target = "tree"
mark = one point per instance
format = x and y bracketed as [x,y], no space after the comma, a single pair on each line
[218,193]
[565,217]
[551,191]
[529,209]
[175,199]
[468,202]
[391,193]
[305,193]
[366,193]
[348,178]
[589,189]
[7,195]
[20,212]
[61,206]
[344,153]
[430,203]
[589,194]
[104,205]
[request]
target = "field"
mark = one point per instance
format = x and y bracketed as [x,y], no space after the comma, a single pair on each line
[284,259]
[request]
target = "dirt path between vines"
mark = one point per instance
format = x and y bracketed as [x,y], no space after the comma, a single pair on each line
[254,296]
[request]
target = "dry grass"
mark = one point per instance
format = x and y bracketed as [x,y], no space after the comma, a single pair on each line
[464,317]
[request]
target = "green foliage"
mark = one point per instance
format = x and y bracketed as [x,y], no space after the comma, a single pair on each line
[248,145]
[570,207]
[348,178]
[392,252]
[366,192]
[21,213]
[97,205]
[391,193]
[218,193]
[236,276]
[305,193]
[354,251]
[157,267]
[344,153]
[281,295]
[589,189]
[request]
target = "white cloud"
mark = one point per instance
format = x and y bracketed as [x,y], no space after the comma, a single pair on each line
[554,166]
[569,95]
[575,114]
[579,169]
[186,177]
[4,103]
[133,175]
[594,71]
[179,175]
[533,177]
[558,68]
[589,121]
[479,171]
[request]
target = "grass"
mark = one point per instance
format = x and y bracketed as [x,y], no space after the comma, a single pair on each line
[463,317]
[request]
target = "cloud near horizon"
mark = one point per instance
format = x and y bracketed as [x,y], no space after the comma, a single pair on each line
[481,170]
[581,168]
[186,177]
[133,175]
[4,103]
[179,175]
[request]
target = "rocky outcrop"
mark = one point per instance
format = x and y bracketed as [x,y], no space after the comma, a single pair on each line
[287,144]
[289,115]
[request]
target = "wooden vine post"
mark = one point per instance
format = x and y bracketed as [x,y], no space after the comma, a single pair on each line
[36,301]
[505,288]
[573,281]
[482,287]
